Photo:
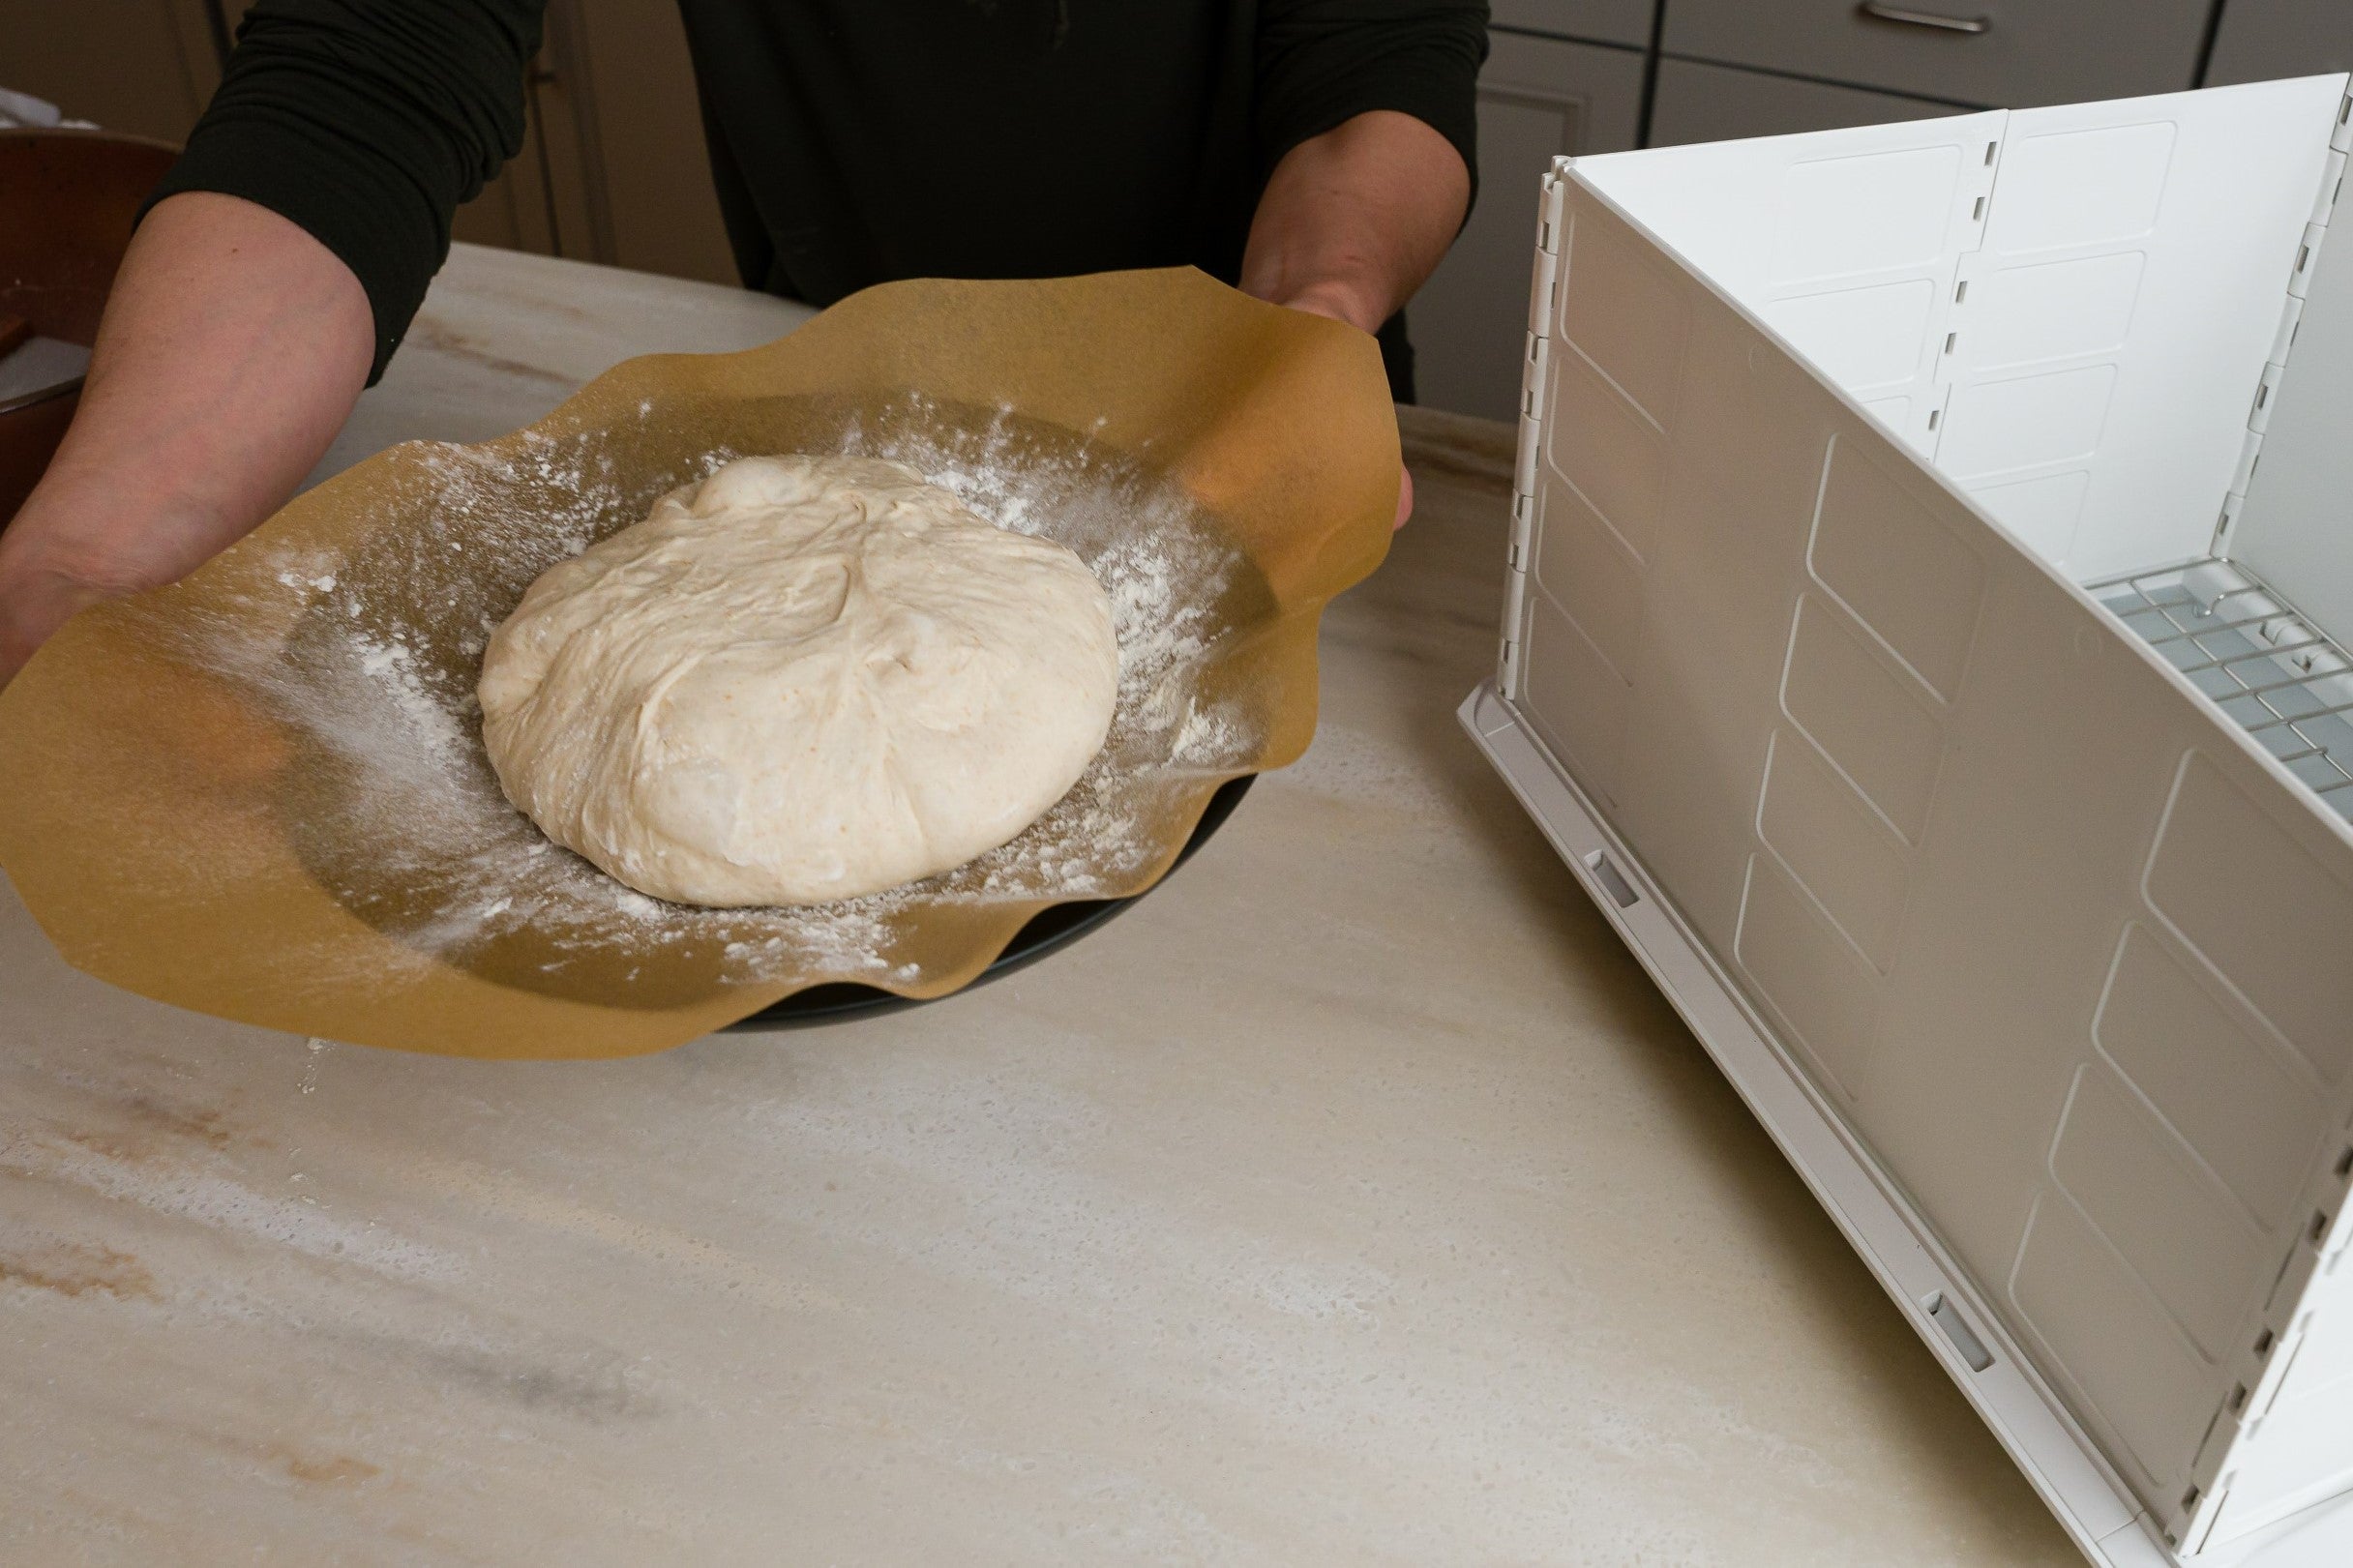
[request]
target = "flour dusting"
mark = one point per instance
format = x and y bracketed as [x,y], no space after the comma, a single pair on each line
[410,830]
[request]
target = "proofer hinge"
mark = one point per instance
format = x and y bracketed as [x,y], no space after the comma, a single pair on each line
[1924,426]
[2267,1352]
[1543,310]
[2283,339]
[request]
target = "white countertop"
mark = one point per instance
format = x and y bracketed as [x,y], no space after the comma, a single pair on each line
[1354,1200]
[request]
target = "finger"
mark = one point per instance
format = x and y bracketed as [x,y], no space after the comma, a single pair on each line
[1405,498]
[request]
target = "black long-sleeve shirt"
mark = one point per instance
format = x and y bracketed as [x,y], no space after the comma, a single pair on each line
[852,141]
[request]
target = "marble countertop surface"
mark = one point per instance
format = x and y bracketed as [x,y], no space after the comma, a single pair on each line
[1354,1200]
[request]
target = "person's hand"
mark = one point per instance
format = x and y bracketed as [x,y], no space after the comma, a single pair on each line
[1333,301]
[34,602]
[1351,221]
[86,536]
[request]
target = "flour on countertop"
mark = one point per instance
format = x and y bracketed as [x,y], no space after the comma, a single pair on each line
[378,675]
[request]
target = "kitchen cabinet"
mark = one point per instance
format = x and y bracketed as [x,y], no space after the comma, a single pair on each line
[1602,21]
[2260,40]
[157,63]
[1538,98]
[2004,54]
[640,119]
[612,168]
[1697,102]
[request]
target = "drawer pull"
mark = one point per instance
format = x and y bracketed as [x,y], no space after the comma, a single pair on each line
[1943,23]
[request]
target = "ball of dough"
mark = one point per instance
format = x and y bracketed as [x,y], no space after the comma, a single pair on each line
[803,679]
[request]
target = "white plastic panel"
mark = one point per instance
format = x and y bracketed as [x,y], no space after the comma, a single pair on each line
[1845,242]
[1939,1301]
[2037,922]
[2300,1454]
[2206,1064]
[2067,309]
[2119,312]
[2296,527]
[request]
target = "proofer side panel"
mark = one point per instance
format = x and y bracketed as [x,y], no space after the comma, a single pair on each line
[2067,309]
[2293,527]
[2065,956]
[2294,1458]
[2114,321]
[1846,243]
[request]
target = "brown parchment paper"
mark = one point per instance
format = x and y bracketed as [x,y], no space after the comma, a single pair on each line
[261,793]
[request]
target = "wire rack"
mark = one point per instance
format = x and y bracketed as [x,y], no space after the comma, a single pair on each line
[2276,675]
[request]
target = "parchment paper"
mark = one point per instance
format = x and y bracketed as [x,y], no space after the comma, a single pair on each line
[261,793]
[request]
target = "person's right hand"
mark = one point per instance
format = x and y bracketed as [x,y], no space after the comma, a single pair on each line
[33,605]
[233,347]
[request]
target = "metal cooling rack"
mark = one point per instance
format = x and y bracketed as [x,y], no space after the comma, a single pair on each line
[2277,676]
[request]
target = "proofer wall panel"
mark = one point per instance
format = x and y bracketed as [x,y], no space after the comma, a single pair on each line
[2023,52]
[2110,329]
[1847,245]
[2104,286]
[2210,1067]
[2300,1453]
[2293,528]
[1957,836]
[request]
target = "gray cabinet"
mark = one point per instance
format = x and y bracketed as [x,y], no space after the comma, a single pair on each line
[1605,21]
[1538,98]
[1998,54]
[1698,103]
[2260,40]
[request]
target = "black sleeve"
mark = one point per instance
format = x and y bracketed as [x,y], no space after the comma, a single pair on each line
[367,121]
[1321,62]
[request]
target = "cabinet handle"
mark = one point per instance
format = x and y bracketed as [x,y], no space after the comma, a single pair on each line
[1880,12]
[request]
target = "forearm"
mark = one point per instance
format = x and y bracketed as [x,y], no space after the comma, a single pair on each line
[234,346]
[1351,221]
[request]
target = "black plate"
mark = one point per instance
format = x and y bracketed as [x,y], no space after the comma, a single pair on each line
[1049,930]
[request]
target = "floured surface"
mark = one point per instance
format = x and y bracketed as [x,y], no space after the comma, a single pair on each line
[414,833]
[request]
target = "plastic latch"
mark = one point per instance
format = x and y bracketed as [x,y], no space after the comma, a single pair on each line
[1955,1328]
[1613,880]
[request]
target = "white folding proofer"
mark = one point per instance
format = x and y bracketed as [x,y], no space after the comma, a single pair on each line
[1931,572]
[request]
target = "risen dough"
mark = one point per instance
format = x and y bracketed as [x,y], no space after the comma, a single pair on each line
[802,679]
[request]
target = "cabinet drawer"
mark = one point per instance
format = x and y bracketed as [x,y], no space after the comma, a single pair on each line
[2261,40]
[2013,52]
[1702,102]
[1607,21]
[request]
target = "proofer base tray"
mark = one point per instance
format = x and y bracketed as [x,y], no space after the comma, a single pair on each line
[2270,672]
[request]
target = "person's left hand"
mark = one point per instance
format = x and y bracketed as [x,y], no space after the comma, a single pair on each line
[1327,300]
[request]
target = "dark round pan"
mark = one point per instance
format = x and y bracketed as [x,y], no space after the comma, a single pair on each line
[1049,932]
